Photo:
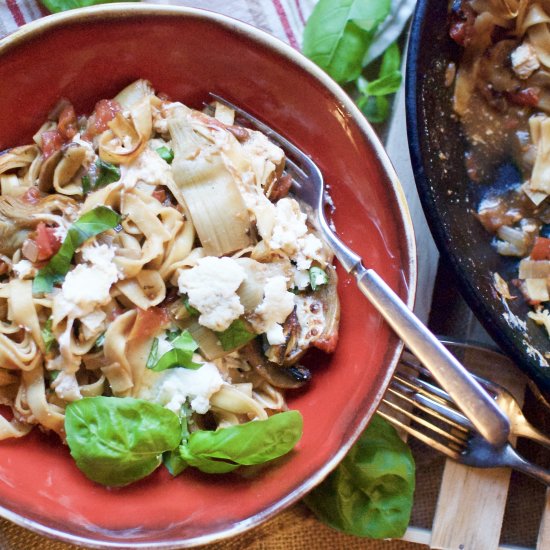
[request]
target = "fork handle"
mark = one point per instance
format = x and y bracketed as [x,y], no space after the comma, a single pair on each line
[514,460]
[476,404]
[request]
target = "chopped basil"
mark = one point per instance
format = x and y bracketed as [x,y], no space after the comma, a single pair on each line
[236,335]
[47,335]
[166,154]
[53,374]
[181,354]
[153,354]
[100,174]
[89,225]
[194,312]
[317,277]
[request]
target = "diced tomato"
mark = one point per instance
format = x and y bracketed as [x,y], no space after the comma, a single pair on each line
[105,110]
[160,194]
[47,241]
[462,24]
[51,142]
[541,249]
[327,343]
[528,97]
[32,195]
[149,322]
[67,125]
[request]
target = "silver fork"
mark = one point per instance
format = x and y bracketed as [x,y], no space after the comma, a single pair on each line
[308,187]
[445,429]
[519,425]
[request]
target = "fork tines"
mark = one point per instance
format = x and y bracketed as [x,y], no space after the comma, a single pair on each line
[424,411]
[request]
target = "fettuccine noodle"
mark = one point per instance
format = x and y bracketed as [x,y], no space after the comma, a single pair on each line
[208,246]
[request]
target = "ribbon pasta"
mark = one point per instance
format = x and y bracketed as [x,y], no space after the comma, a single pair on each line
[121,301]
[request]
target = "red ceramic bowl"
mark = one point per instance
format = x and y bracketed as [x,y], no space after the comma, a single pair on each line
[86,55]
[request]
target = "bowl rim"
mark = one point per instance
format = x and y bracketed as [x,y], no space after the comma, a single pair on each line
[40,26]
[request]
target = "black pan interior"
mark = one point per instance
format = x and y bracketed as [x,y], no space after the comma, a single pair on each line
[437,149]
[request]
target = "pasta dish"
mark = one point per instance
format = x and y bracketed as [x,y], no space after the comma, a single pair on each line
[159,288]
[502,95]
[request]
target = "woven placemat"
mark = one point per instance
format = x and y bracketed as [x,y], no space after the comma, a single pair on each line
[293,529]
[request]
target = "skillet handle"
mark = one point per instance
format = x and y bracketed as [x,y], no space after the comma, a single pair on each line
[472,399]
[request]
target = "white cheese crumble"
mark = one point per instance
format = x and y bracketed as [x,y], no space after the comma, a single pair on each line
[276,306]
[524,60]
[290,235]
[88,284]
[212,289]
[172,387]
[149,169]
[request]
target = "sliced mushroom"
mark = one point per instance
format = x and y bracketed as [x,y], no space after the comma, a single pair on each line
[276,375]
[45,176]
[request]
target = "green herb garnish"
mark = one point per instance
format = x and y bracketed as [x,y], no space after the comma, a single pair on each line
[90,224]
[236,335]
[47,335]
[165,154]
[180,356]
[317,277]
[104,174]
[194,312]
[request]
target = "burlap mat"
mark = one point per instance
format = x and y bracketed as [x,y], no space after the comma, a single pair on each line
[294,529]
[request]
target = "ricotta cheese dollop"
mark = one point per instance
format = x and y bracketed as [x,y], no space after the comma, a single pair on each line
[211,287]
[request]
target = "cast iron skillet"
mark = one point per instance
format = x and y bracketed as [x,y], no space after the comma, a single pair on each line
[437,149]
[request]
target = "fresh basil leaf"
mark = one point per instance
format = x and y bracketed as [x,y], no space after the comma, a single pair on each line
[165,154]
[317,277]
[339,32]
[56,6]
[180,356]
[370,494]
[172,460]
[86,184]
[194,312]
[236,335]
[118,440]
[100,174]
[153,354]
[107,173]
[255,442]
[47,335]
[91,223]
[391,61]
[171,335]
[376,109]
[386,85]
[391,29]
